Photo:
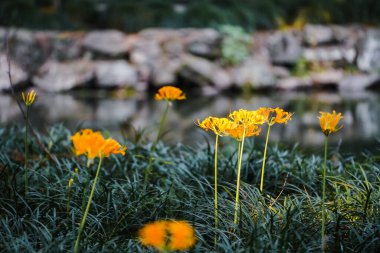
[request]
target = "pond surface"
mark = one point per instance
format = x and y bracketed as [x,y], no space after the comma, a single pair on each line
[119,114]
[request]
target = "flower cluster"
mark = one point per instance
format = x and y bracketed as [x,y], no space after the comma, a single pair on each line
[168,235]
[93,144]
[244,123]
[170,93]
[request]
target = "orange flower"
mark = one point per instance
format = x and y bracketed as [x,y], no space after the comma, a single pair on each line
[274,115]
[92,144]
[168,235]
[238,131]
[29,97]
[218,125]
[154,234]
[329,122]
[182,235]
[246,118]
[170,93]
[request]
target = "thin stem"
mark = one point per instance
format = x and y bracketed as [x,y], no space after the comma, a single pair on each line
[264,160]
[216,185]
[324,196]
[76,247]
[68,200]
[26,151]
[238,179]
[162,121]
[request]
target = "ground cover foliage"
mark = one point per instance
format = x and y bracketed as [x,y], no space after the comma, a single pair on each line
[285,218]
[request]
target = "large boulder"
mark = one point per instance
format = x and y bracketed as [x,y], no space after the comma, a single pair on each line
[55,76]
[317,34]
[329,54]
[202,42]
[19,76]
[116,73]
[284,47]
[204,72]
[359,82]
[369,52]
[254,73]
[108,42]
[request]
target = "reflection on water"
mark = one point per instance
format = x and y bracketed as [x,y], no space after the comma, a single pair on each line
[99,110]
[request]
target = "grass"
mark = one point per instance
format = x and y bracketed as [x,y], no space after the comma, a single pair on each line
[284,218]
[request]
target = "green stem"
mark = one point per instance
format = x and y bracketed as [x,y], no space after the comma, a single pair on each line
[68,201]
[162,121]
[238,179]
[264,159]
[324,196]
[76,247]
[216,185]
[26,151]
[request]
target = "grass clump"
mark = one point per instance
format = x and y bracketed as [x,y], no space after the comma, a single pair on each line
[285,217]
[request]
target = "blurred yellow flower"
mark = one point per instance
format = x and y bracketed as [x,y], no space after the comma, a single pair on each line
[170,93]
[92,144]
[182,235]
[167,235]
[329,122]
[154,234]
[218,125]
[29,97]
[246,118]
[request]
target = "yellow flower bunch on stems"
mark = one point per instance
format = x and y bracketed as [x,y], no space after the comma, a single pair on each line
[219,126]
[271,117]
[246,124]
[169,94]
[93,145]
[167,236]
[28,100]
[329,124]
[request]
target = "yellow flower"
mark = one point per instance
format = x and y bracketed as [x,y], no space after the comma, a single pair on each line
[167,235]
[247,118]
[29,97]
[218,125]
[154,234]
[92,144]
[170,93]
[182,235]
[329,122]
[274,115]
[238,131]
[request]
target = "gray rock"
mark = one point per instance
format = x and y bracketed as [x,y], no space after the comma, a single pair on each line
[358,82]
[369,52]
[164,71]
[54,76]
[280,72]
[202,42]
[108,42]
[64,46]
[329,54]
[317,34]
[332,76]
[254,73]
[117,73]
[294,83]
[204,72]
[19,76]
[284,47]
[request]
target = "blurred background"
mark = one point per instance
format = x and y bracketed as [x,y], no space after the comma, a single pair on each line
[98,63]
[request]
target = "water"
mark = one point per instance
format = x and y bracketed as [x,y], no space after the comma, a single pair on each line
[117,113]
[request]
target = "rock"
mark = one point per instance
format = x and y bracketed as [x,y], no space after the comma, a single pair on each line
[164,71]
[369,52]
[202,42]
[204,72]
[358,82]
[280,72]
[19,76]
[54,76]
[108,42]
[284,47]
[332,76]
[317,34]
[329,54]
[294,83]
[116,73]
[65,46]
[254,73]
